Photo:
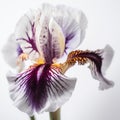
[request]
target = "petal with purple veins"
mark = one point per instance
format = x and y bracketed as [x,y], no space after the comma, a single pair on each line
[41,88]
[25,35]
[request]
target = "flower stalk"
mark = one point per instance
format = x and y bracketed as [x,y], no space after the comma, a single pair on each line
[32,117]
[55,115]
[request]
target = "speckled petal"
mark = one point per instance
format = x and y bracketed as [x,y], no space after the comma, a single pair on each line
[49,38]
[41,88]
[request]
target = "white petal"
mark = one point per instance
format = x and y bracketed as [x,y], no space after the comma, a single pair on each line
[10,51]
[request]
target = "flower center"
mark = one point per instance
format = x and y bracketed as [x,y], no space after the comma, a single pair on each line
[40,61]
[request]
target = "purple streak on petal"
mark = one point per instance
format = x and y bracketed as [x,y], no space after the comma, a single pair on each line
[47,49]
[50,50]
[69,37]
[48,40]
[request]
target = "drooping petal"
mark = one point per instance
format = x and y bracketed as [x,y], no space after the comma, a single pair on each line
[96,60]
[41,88]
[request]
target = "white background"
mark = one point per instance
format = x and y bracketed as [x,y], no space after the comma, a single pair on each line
[87,102]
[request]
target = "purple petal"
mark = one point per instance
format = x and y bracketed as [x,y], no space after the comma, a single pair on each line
[41,88]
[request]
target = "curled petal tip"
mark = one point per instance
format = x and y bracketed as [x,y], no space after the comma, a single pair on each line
[103,85]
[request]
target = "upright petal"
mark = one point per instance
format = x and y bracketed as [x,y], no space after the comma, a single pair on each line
[73,23]
[49,38]
[41,88]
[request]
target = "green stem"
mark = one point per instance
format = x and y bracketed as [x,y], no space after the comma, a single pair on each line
[32,118]
[55,115]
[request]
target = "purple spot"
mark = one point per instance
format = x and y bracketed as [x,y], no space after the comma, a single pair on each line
[19,50]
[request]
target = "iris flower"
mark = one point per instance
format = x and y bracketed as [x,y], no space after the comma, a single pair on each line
[41,40]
